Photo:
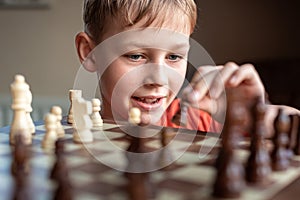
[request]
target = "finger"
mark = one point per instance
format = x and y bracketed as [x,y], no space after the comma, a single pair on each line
[217,86]
[247,74]
[201,71]
[200,88]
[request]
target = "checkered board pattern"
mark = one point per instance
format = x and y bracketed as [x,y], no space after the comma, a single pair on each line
[190,177]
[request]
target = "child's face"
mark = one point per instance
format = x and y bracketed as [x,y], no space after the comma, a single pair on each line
[146,70]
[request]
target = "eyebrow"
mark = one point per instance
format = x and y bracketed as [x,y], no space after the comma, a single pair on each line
[140,45]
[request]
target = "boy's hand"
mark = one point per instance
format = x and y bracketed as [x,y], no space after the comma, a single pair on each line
[207,91]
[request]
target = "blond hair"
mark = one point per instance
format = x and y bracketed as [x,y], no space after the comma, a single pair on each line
[97,14]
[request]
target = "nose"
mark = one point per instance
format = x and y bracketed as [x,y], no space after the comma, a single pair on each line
[156,75]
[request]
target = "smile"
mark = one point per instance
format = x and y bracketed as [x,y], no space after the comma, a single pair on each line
[148,103]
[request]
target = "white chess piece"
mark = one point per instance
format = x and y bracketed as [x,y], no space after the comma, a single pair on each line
[19,124]
[31,125]
[50,136]
[73,94]
[95,116]
[82,122]
[134,116]
[56,110]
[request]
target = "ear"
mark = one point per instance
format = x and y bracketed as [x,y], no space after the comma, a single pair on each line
[85,45]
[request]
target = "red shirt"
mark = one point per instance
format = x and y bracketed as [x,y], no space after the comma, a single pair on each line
[196,119]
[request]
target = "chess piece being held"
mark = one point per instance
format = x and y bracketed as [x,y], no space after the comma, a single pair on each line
[95,116]
[19,91]
[56,110]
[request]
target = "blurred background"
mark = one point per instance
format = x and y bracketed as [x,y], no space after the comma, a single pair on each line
[37,40]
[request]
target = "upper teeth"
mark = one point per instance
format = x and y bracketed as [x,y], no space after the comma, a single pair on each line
[147,100]
[150,100]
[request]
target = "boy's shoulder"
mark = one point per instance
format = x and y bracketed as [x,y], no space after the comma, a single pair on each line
[197,119]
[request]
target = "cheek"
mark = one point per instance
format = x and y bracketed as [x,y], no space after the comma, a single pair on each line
[176,79]
[110,78]
[106,85]
[116,84]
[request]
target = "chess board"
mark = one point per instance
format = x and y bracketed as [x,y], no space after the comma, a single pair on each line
[95,169]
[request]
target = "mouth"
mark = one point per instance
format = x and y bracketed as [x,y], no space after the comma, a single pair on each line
[148,102]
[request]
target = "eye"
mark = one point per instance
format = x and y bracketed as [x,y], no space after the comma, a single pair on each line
[135,57]
[174,57]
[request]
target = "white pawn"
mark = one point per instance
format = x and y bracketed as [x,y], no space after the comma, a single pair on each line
[50,136]
[82,123]
[19,89]
[95,116]
[28,111]
[134,116]
[56,110]
[73,94]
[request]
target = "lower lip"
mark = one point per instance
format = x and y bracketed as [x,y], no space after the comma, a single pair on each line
[146,106]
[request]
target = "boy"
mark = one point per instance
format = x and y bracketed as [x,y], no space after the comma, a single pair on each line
[139,48]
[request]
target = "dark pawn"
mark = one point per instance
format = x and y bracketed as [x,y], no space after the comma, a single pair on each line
[166,136]
[20,165]
[165,157]
[279,155]
[294,144]
[258,167]
[59,169]
[64,190]
[137,143]
[139,186]
[297,144]
[229,181]
[21,189]
[60,174]
[20,169]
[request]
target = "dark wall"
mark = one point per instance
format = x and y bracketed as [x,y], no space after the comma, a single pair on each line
[263,32]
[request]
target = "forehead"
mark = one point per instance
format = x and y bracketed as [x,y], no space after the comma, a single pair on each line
[178,22]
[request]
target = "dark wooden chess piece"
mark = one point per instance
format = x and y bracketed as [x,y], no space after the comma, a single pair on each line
[165,157]
[59,168]
[63,190]
[296,149]
[137,145]
[280,159]
[60,174]
[139,184]
[258,168]
[136,186]
[21,191]
[20,164]
[293,135]
[229,180]
[20,169]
